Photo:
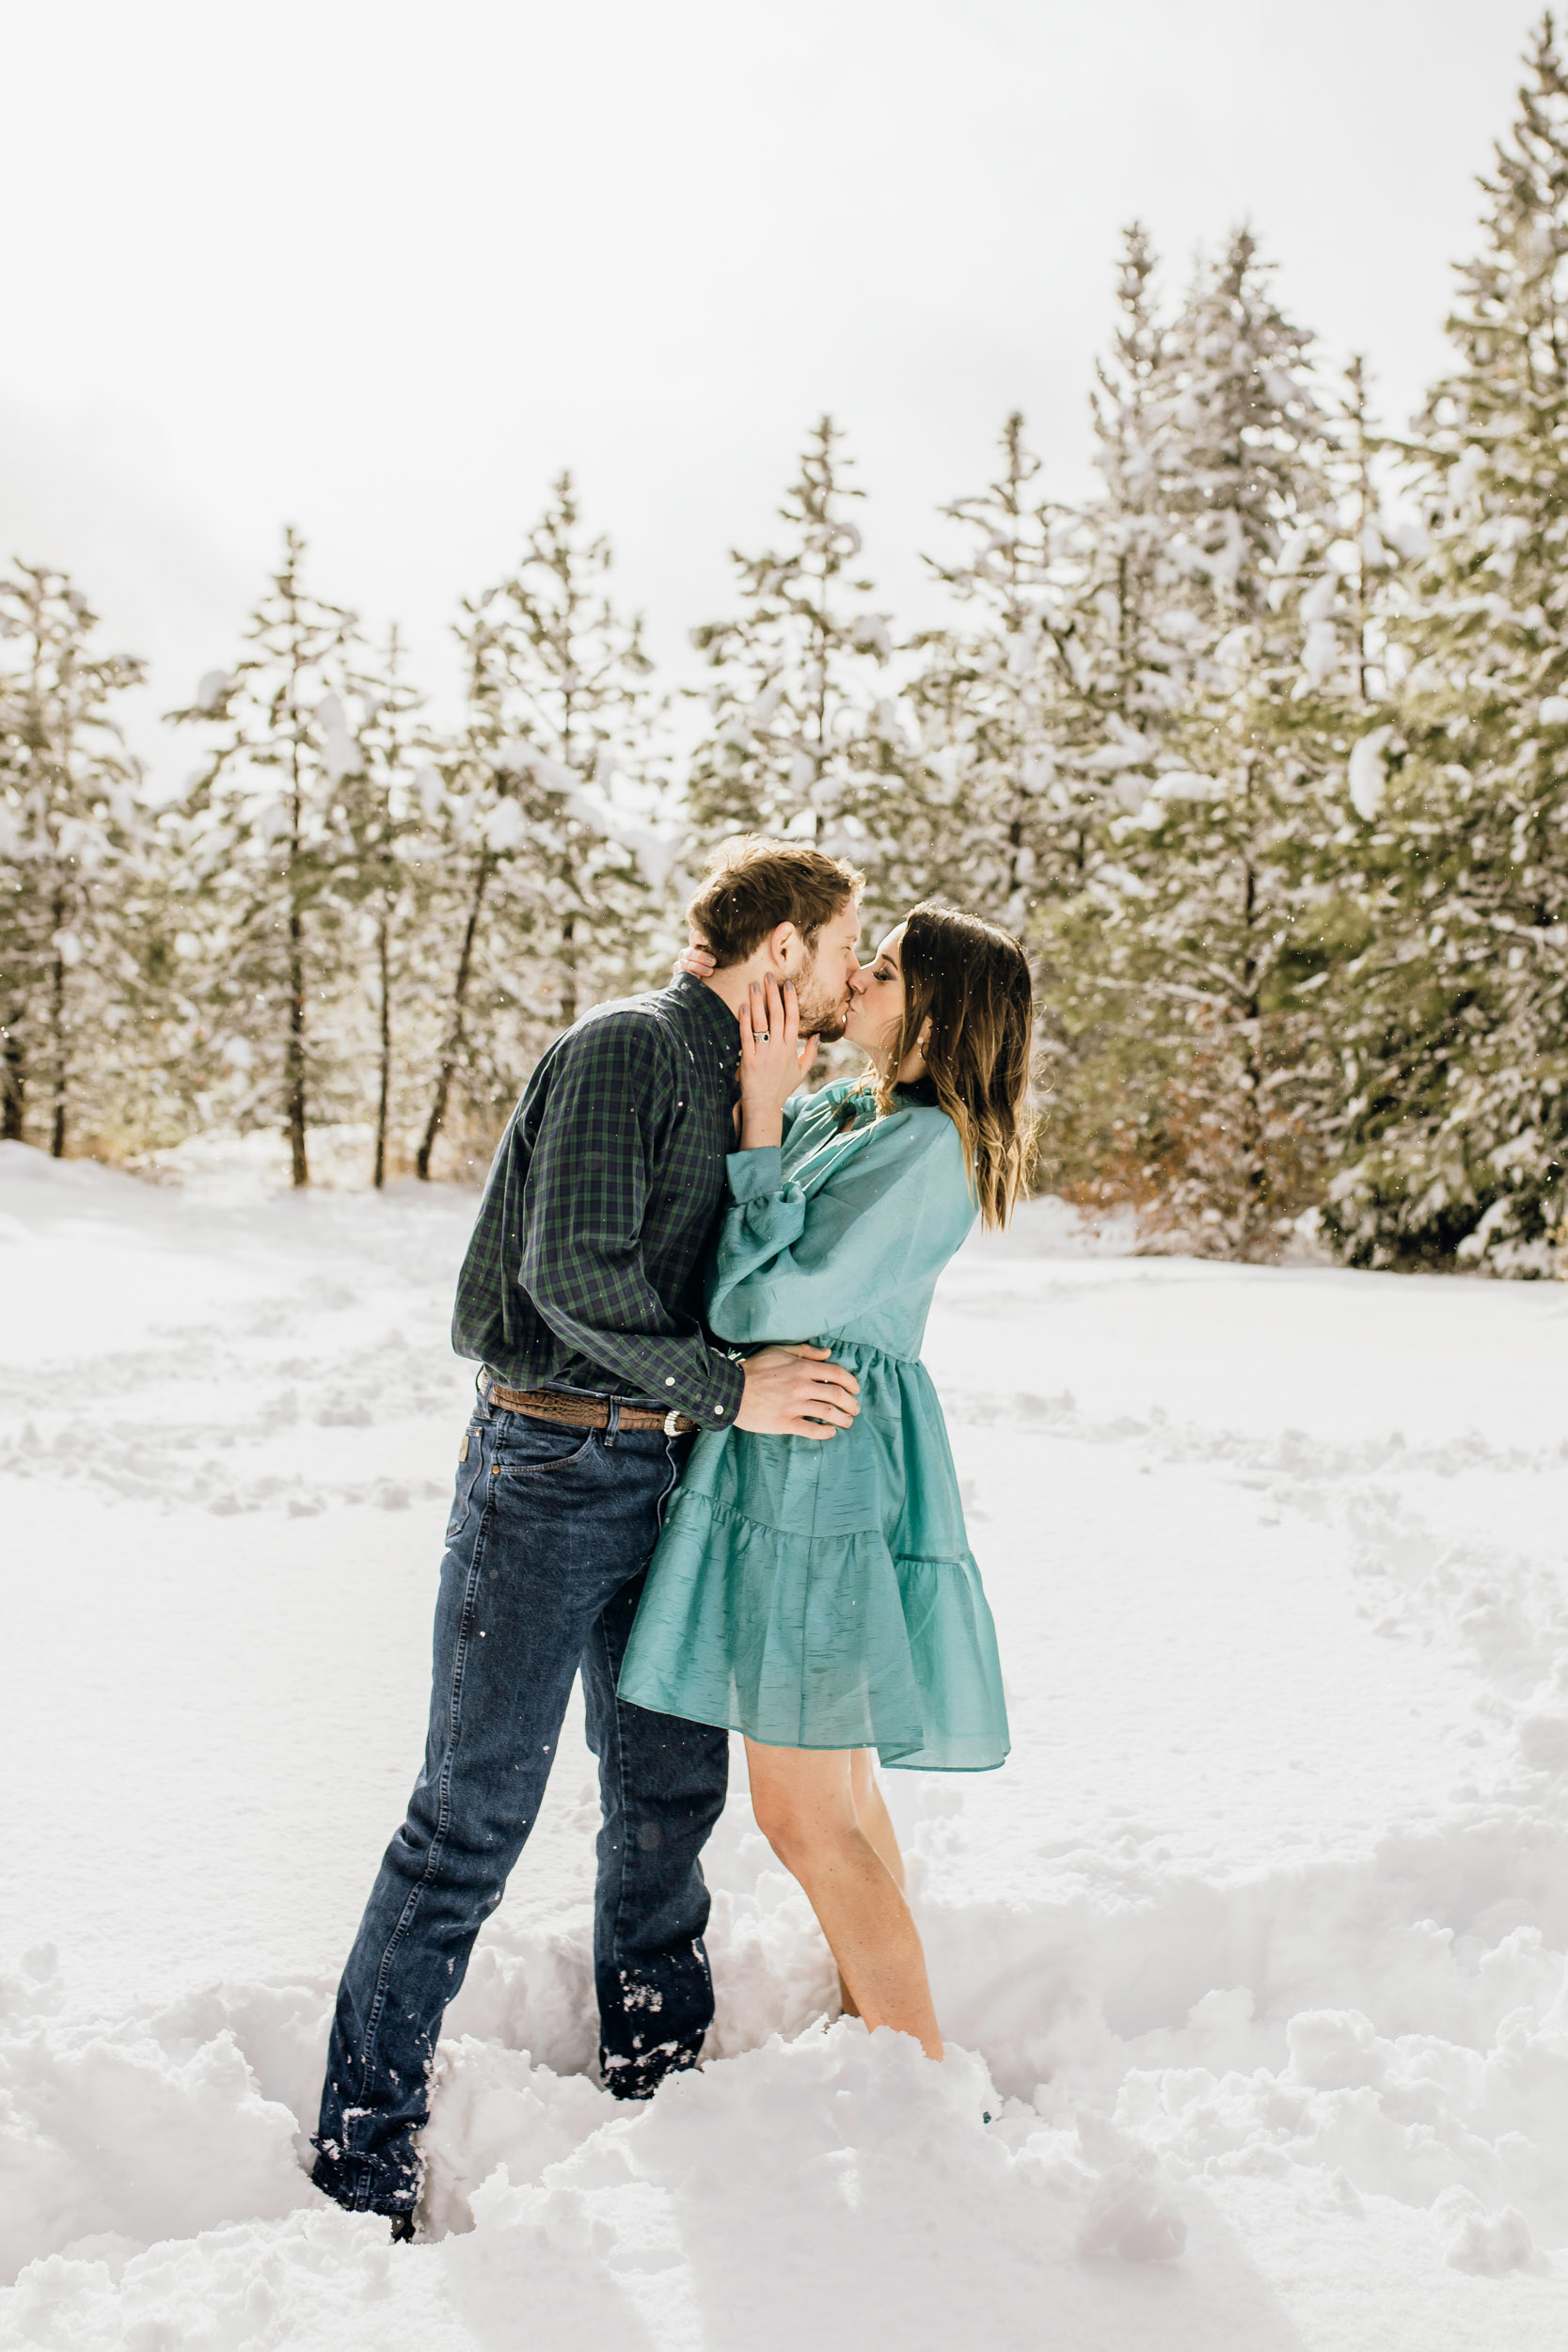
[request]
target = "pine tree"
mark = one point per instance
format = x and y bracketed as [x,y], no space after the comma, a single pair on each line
[1457,1137]
[993,809]
[271,858]
[1352,639]
[1193,1096]
[155,1061]
[67,815]
[1344,576]
[1130,642]
[557,792]
[392,799]
[804,740]
[477,833]
[1137,630]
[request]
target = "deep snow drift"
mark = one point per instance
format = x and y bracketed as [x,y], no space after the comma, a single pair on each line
[1255,1950]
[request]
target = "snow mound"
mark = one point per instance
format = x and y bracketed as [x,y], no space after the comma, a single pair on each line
[117,2132]
[1486,2242]
[842,2161]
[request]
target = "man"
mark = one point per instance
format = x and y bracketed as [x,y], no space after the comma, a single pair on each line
[580,1297]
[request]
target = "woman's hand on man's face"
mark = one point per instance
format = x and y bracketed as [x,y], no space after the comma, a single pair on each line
[773,1061]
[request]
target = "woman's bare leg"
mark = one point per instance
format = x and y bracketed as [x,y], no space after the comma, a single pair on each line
[804,1803]
[872,1814]
[871,1811]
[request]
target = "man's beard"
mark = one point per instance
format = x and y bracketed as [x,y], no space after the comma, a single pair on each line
[823,1016]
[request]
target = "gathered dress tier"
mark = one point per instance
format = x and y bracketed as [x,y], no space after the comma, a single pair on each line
[821,1594]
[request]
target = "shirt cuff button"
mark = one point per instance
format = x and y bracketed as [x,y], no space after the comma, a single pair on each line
[670,1380]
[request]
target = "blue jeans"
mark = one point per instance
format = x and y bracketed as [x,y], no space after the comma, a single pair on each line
[551,1531]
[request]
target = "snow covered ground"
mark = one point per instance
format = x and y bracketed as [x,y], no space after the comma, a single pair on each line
[1255,1950]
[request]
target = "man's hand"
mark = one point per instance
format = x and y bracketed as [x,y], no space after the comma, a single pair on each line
[797,1392]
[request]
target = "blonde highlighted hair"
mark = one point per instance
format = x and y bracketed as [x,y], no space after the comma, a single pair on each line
[971,981]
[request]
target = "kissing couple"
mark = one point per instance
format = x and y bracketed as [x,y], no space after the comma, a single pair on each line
[708,1473]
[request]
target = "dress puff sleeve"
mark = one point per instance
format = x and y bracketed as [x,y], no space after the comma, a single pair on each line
[792,1263]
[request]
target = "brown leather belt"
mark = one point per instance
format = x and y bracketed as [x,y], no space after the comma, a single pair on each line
[585,1412]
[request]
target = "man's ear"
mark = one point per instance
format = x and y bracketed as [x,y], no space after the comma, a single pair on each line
[785,949]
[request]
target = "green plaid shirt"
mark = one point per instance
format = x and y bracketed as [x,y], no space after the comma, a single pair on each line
[585,1269]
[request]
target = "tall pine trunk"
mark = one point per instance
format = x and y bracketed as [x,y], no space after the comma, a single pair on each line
[56,1022]
[13,1113]
[293,1061]
[1258,1173]
[293,1054]
[568,971]
[14,1081]
[453,1045]
[384,967]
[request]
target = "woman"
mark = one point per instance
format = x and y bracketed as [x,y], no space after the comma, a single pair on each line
[820,1597]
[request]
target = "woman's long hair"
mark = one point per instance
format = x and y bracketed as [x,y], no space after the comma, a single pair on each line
[972,982]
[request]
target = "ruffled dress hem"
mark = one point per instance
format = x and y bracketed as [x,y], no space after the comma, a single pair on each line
[822,1643]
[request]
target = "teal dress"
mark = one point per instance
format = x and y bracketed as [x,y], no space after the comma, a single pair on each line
[821,1594]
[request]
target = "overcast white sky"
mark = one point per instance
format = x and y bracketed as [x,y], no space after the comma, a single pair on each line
[382,267]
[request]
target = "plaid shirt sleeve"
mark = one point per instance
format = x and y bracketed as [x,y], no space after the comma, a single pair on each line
[608,1115]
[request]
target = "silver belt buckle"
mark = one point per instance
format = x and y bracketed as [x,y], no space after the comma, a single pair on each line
[673,1423]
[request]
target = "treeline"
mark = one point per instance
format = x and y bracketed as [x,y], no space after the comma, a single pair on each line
[346,917]
[1263,748]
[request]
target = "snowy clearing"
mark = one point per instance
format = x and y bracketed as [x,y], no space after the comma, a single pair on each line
[1256,1949]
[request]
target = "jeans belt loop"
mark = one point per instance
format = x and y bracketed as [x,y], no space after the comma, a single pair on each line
[614,1421]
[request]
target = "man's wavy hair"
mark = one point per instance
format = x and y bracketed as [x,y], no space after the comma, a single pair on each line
[755,884]
[971,981]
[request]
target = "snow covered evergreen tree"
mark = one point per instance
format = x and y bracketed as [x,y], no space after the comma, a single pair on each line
[553,802]
[1135,629]
[1129,640]
[477,835]
[1203,1099]
[270,861]
[804,738]
[391,800]
[993,810]
[67,818]
[1457,1137]
[1358,586]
